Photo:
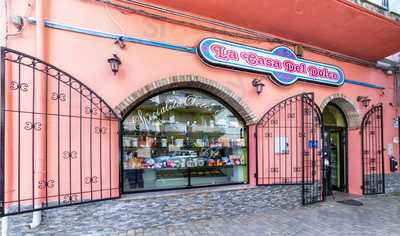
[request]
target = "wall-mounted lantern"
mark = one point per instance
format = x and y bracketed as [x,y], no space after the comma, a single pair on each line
[114,62]
[364,100]
[258,85]
[298,50]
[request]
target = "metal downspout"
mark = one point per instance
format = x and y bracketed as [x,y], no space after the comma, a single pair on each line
[40,106]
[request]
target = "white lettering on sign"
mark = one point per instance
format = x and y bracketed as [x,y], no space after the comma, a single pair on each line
[281,62]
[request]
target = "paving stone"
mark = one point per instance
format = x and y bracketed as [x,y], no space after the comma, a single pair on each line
[130,233]
[378,216]
[254,215]
[126,214]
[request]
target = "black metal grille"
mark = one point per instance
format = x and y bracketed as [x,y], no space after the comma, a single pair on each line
[289,144]
[313,169]
[372,151]
[59,139]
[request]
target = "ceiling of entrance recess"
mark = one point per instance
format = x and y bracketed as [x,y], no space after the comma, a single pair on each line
[336,25]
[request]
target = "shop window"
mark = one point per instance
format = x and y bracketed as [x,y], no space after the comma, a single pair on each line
[381,3]
[394,6]
[183,138]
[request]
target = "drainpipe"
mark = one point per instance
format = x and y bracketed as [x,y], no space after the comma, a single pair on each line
[3,21]
[36,220]
[3,43]
[40,106]
[4,226]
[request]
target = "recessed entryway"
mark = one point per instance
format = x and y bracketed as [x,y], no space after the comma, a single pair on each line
[335,149]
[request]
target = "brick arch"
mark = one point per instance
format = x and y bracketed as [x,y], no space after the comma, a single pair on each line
[350,109]
[187,81]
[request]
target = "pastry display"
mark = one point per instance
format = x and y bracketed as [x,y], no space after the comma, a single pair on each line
[186,136]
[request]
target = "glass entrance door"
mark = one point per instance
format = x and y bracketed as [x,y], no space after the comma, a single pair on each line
[336,169]
[335,149]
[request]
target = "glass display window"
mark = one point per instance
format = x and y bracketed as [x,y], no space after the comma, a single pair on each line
[183,138]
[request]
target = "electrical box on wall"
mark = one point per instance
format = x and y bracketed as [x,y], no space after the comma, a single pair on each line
[394,165]
[393,162]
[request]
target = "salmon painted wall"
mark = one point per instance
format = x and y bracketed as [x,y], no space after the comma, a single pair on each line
[85,57]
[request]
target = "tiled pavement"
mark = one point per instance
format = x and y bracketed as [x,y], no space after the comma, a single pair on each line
[380,215]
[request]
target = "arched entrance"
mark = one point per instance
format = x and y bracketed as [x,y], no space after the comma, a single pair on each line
[349,109]
[59,140]
[188,81]
[335,148]
[289,150]
[372,151]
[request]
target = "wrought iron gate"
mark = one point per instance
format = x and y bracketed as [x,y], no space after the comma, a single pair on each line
[289,144]
[372,151]
[59,139]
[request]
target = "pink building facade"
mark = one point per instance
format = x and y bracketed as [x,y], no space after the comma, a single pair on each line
[180,114]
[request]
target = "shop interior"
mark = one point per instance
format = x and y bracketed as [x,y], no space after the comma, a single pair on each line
[180,139]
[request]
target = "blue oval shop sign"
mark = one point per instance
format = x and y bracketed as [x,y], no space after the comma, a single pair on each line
[282,63]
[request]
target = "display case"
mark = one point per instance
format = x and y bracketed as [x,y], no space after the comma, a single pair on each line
[170,146]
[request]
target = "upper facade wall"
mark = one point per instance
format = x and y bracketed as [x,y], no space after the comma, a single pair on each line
[85,57]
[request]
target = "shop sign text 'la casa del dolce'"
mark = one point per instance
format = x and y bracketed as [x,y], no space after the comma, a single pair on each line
[282,63]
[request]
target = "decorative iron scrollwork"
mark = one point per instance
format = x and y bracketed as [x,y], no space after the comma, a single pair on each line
[46,184]
[297,169]
[63,125]
[294,128]
[291,115]
[70,198]
[100,130]
[373,151]
[58,96]
[275,170]
[90,110]
[33,125]
[19,86]
[93,179]
[70,155]
[372,132]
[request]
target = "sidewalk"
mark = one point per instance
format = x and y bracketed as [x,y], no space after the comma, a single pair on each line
[380,215]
